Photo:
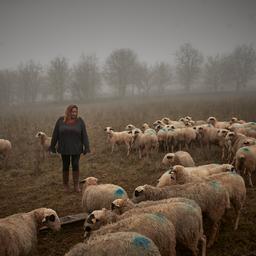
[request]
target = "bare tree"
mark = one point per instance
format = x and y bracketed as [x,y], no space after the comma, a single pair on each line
[188,62]
[161,75]
[242,63]
[29,81]
[58,77]
[119,70]
[143,78]
[7,86]
[213,72]
[86,77]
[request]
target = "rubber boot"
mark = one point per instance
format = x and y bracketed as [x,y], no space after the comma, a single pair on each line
[76,181]
[66,180]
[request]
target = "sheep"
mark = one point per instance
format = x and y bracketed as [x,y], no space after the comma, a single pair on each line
[119,243]
[235,141]
[120,206]
[44,143]
[5,150]
[181,175]
[179,157]
[152,225]
[221,125]
[18,232]
[164,180]
[221,137]
[233,183]
[245,161]
[184,216]
[162,137]
[208,195]
[117,138]
[235,120]
[96,196]
[147,141]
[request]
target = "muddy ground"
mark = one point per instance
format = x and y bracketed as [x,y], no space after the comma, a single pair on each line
[23,190]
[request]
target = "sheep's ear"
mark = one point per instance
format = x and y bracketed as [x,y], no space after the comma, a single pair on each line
[111,129]
[130,132]
[136,132]
[137,193]
[82,181]
[105,129]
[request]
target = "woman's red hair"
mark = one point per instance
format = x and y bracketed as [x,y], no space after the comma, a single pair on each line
[68,110]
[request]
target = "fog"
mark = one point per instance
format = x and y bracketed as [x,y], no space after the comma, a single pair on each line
[154,31]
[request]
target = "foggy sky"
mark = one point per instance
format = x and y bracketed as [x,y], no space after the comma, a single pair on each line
[154,29]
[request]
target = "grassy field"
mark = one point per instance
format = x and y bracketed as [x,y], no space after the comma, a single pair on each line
[21,190]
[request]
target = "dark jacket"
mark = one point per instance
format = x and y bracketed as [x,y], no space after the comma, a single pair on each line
[72,139]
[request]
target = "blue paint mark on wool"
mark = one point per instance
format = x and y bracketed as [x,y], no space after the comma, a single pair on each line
[215,184]
[141,241]
[246,149]
[158,217]
[119,192]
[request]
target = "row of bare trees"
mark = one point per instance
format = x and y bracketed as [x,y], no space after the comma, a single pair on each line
[125,74]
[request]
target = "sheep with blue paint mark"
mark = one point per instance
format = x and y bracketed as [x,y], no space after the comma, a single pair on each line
[245,162]
[206,194]
[233,183]
[119,243]
[152,225]
[186,218]
[97,196]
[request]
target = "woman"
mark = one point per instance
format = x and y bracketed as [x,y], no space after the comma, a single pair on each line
[71,136]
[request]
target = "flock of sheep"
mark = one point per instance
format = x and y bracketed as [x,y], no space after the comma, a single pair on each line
[163,220]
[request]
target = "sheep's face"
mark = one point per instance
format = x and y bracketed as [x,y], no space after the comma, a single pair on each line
[166,120]
[233,120]
[168,159]
[117,205]
[94,221]
[222,133]
[230,137]
[108,129]
[139,195]
[166,179]
[249,142]
[144,126]
[129,127]
[51,220]
[229,168]
[211,120]
[40,134]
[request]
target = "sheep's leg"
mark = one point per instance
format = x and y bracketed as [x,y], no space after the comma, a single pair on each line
[140,153]
[237,218]
[112,149]
[250,179]
[203,244]
[223,154]
[128,149]
[213,234]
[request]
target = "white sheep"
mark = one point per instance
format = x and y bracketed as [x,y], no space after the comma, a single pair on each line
[152,225]
[206,194]
[5,150]
[179,157]
[214,122]
[117,138]
[184,216]
[18,232]
[44,143]
[147,141]
[119,243]
[97,196]
[164,180]
[233,183]
[245,162]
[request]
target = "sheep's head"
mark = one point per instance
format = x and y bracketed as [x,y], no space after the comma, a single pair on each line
[233,120]
[212,120]
[228,168]
[145,126]
[166,179]
[118,204]
[94,221]
[129,127]
[230,137]
[168,159]
[166,120]
[108,129]
[40,134]
[139,194]
[48,217]
[222,133]
[89,181]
